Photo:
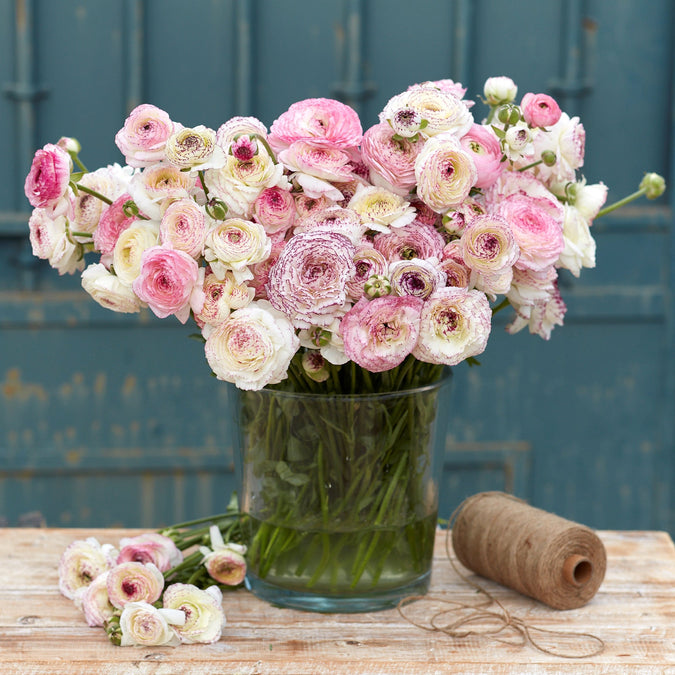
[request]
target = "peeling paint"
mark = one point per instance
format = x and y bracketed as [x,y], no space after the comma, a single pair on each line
[13,387]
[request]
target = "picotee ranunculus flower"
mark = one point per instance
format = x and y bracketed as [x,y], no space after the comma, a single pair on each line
[183,227]
[416,277]
[145,625]
[150,547]
[222,296]
[455,324]
[333,219]
[95,603]
[81,563]
[416,240]
[132,582]
[194,148]
[381,209]
[308,281]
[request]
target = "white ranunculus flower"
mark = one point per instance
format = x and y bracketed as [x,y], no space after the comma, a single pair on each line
[253,347]
[109,291]
[204,616]
[579,250]
[131,243]
[81,563]
[499,89]
[144,625]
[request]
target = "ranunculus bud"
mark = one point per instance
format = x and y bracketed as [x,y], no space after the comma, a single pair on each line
[499,90]
[376,286]
[548,157]
[653,184]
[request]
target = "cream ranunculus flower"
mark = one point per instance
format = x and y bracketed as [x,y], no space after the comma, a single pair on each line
[145,625]
[81,563]
[141,235]
[222,296]
[381,209]
[234,244]
[109,291]
[579,249]
[158,184]
[445,173]
[204,615]
[194,149]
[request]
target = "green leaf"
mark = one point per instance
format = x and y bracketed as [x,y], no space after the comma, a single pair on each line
[286,474]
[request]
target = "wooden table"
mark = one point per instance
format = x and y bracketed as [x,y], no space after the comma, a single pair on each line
[633,613]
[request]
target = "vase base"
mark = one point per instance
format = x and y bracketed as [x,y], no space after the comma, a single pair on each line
[339,604]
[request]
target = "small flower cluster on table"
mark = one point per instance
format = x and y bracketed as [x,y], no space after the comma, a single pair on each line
[148,592]
[315,244]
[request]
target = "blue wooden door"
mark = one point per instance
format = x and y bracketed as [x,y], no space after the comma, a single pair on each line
[107,419]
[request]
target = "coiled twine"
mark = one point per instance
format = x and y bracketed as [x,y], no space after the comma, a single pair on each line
[539,554]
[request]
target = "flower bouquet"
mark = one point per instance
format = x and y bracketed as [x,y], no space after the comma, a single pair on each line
[319,260]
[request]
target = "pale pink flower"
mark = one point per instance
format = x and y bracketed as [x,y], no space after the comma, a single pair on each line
[113,221]
[144,625]
[455,324]
[368,261]
[416,240]
[306,205]
[183,227]
[224,562]
[320,121]
[87,208]
[457,218]
[194,149]
[261,271]
[81,563]
[47,181]
[518,143]
[308,281]
[333,219]
[204,616]
[108,291]
[150,547]
[235,244]
[446,85]
[484,148]
[143,138]
[567,139]
[51,241]
[274,209]
[540,110]
[253,347]
[579,248]
[489,249]
[327,339]
[456,272]
[221,296]
[95,603]
[133,582]
[378,334]
[391,160]
[419,278]
[236,126]
[320,161]
[170,283]
[315,365]
[445,173]
[529,287]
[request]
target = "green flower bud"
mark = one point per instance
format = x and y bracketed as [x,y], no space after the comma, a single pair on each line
[320,337]
[130,208]
[216,208]
[504,113]
[514,116]
[653,184]
[548,157]
[377,286]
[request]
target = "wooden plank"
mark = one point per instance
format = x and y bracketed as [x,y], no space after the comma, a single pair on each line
[633,613]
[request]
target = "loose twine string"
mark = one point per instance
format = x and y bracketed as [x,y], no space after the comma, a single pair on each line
[461,620]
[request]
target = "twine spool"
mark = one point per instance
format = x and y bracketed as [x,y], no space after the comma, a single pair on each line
[536,553]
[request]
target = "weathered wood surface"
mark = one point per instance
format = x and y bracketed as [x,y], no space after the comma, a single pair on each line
[633,613]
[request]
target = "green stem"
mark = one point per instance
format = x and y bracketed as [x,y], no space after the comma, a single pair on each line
[620,203]
[531,166]
[93,193]
[497,308]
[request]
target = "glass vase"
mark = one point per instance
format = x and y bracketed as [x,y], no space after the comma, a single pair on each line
[340,495]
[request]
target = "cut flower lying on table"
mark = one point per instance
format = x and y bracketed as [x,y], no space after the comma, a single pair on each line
[314,257]
[315,244]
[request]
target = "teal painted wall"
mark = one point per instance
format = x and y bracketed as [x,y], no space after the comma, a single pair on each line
[107,419]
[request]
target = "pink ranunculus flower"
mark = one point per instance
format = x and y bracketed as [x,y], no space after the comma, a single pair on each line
[416,240]
[483,146]
[237,126]
[108,291]
[261,271]
[320,161]
[445,173]
[489,249]
[183,227]
[368,261]
[95,602]
[253,347]
[391,160]
[47,181]
[81,563]
[224,562]
[455,324]
[320,121]
[170,282]
[567,139]
[529,287]
[308,281]
[457,218]
[378,334]
[143,137]
[419,278]
[540,110]
[113,221]
[274,208]
[334,219]
[204,615]
[134,582]
[150,547]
